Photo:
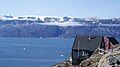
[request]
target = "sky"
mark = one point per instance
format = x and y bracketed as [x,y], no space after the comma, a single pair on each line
[74,8]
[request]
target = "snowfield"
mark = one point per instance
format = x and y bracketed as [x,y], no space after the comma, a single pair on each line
[62,24]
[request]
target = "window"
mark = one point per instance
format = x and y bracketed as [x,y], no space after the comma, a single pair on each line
[84,53]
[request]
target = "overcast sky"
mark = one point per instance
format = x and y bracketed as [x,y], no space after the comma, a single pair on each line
[75,8]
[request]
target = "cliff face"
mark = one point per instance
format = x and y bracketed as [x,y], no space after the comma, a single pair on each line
[49,31]
[35,31]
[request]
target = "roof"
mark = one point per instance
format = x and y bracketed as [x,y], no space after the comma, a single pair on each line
[113,40]
[87,42]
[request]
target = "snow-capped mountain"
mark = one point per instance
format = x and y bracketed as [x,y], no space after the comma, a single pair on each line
[31,17]
[51,26]
[46,18]
[59,21]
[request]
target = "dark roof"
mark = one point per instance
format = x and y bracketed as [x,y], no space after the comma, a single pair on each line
[113,40]
[87,42]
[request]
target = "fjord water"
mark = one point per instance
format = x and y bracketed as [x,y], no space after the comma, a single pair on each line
[33,52]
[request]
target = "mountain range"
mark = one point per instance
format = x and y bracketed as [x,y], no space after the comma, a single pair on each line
[60,27]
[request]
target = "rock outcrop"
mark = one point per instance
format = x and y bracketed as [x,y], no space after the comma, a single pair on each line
[103,59]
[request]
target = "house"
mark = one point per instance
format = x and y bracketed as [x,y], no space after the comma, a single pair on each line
[84,46]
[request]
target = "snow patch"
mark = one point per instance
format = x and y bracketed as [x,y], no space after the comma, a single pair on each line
[63,24]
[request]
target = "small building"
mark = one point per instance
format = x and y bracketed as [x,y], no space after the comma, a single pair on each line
[84,46]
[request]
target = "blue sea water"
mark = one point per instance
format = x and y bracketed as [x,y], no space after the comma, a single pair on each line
[33,52]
